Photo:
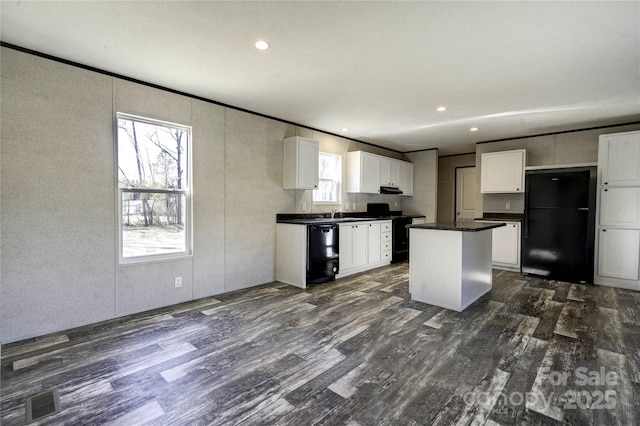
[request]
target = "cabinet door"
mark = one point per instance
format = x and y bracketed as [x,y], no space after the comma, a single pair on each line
[620,207]
[394,173]
[406,178]
[503,172]
[359,244]
[307,164]
[370,173]
[620,159]
[345,239]
[505,244]
[374,243]
[618,253]
[300,163]
[385,171]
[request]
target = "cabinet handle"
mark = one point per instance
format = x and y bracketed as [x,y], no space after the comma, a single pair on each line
[604,230]
[605,190]
[606,183]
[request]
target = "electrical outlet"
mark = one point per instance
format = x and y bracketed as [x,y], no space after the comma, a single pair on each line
[395,204]
[178,282]
[346,206]
[508,206]
[304,206]
[353,206]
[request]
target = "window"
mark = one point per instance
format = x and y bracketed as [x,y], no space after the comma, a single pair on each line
[330,175]
[153,189]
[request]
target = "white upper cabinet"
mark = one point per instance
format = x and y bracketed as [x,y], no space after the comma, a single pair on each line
[300,163]
[367,172]
[389,172]
[503,172]
[619,159]
[406,177]
[363,172]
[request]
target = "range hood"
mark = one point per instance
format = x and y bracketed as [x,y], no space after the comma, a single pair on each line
[390,190]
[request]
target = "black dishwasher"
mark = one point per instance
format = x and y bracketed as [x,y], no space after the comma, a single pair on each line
[322,253]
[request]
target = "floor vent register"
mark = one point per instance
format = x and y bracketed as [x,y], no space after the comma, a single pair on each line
[42,405]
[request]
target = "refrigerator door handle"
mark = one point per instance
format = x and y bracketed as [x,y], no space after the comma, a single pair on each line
[525,231]
[583,208]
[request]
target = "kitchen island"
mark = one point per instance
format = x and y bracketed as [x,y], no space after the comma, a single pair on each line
[450,263]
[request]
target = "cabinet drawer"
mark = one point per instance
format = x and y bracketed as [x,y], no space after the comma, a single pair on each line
[385,255]
[385,236]
[386,227]
[385,246]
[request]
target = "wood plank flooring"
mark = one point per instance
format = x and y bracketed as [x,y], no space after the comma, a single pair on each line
[356,351]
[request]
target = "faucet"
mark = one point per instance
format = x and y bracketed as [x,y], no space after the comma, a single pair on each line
[333,213]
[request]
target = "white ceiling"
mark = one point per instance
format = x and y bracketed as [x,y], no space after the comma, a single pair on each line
[378,68]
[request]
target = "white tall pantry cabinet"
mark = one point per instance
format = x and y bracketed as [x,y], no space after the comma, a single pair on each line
[618,211]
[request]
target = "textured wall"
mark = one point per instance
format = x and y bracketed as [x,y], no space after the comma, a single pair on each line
[58,216]
[425,189]
[208,201]
[59,259]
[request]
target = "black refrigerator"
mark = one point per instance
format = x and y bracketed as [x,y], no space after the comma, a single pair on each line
[559,224]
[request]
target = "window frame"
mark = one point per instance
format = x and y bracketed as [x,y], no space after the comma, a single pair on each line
[187,192]
[337,180]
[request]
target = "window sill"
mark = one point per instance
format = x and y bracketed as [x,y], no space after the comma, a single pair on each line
[133,261]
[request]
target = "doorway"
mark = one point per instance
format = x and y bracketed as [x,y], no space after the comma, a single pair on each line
[465,205]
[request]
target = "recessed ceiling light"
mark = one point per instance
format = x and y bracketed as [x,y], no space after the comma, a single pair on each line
[442,108]
[474,129]
[262,45]
[344,129]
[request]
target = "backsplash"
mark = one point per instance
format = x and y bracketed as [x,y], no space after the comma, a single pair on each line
[504,203]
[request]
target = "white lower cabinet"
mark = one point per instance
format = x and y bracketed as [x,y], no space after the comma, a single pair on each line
[618,253]
[505,246]
[361,246]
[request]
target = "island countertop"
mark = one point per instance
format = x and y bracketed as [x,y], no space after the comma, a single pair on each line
[462,226]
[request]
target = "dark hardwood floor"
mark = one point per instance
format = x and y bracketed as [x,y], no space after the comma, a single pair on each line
[356,351]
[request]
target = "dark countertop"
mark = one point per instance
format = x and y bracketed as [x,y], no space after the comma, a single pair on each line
[509,217]
[463,226]
[324,219]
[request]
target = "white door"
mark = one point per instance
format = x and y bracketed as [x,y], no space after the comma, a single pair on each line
[621,159]
[505,244]
[385,171]
[620,207]
[370,173]
[359,241]
[465,193]
[307,164]
[618,253]
[374,243]
[345,238]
